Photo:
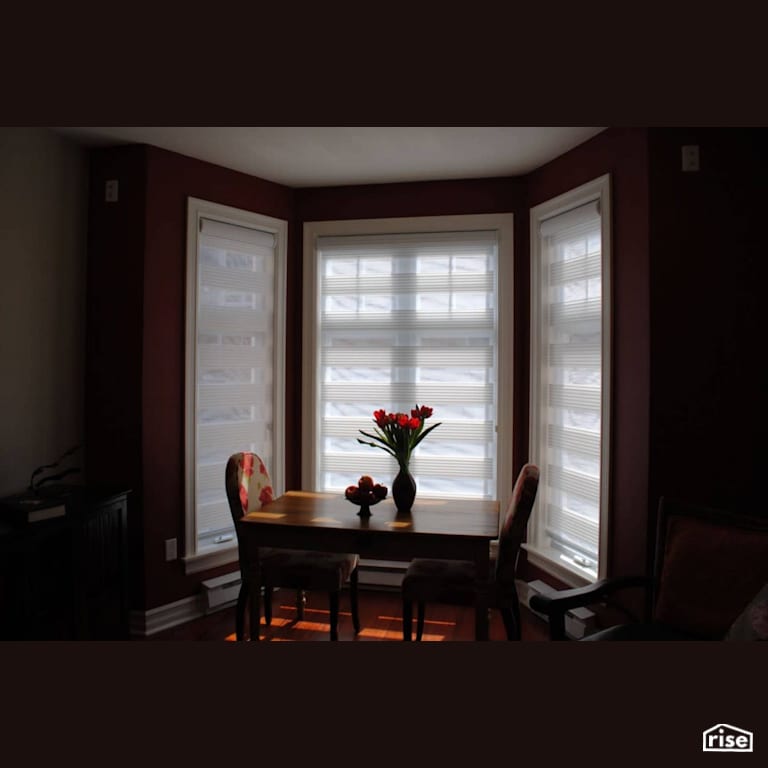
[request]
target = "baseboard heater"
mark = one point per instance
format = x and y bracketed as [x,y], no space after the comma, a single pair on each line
[220,592]
[381,574]
[579,622]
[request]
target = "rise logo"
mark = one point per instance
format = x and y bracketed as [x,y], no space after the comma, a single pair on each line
[727,738]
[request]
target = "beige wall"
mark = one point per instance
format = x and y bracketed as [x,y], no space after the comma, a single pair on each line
[43,225]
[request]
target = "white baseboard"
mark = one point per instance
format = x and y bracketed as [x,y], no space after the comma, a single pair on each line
[381,573]
[373,574]
[147,623]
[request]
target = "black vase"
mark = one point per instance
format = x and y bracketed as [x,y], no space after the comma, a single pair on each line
[403,490]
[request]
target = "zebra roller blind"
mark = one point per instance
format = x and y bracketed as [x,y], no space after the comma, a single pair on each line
[405,319]
[567,398]
[234,363]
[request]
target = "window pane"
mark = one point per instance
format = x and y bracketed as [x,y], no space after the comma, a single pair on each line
[567,402]
[234,365]
[403,320]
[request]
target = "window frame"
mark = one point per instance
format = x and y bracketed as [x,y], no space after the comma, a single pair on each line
[198,209]
[598,189]
[503,223]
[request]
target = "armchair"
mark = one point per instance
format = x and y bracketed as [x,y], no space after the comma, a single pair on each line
[708,565]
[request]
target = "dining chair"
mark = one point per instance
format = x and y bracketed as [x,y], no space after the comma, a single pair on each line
[454,582]
[249,488]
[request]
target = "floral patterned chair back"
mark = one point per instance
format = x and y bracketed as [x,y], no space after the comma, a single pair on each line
[248,489]
[248,484]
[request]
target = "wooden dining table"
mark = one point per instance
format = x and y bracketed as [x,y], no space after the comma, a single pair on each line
[452,529]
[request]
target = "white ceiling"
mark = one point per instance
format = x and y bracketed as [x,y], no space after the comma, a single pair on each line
[327,156]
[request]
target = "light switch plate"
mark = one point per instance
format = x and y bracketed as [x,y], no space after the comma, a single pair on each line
[170,549]
[110,191]
[691,157]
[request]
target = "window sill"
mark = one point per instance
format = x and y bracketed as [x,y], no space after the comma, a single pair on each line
[550,561]
[208,560]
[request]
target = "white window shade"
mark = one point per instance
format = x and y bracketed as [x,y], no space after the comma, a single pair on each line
[235,291]
[405,319]
[567,385]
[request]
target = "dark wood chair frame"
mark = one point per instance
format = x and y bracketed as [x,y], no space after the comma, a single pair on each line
[498,594]
[244,595]
[555,606]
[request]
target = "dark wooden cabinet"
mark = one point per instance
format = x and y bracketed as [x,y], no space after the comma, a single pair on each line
[65,578]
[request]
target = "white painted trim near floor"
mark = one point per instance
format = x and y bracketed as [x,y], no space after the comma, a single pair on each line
[147,623]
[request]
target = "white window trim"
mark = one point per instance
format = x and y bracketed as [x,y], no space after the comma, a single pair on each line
[503,224]
[598,189]
[196,210]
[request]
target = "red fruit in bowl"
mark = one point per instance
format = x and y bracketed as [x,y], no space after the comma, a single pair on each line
[351,491]
[365,483]
[379,491]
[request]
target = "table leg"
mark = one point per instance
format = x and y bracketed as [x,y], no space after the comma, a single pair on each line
[482,569]
[254,589]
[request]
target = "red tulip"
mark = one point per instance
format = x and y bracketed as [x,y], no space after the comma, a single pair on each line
[400,433]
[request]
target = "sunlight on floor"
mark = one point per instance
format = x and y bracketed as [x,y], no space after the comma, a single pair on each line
[313,610]
[298,626]
[426,621]
[276,622]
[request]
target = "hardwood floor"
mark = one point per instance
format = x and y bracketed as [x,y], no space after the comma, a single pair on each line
[380,619]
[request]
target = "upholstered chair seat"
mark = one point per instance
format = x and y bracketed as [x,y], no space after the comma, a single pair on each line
[302,569]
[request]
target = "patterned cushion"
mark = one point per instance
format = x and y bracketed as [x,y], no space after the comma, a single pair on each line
[255,485]
[752,622]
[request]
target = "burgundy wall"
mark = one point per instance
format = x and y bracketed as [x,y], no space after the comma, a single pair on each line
[115,298]
[623,153]
[137,279]
[171,178]
[708,274]
[426,198]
